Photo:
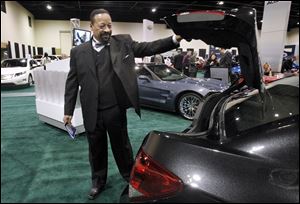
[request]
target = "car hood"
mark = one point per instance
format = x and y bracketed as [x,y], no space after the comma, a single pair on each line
[211,84]
[235,28]
[12,70]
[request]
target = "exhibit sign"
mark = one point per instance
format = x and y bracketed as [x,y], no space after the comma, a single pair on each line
[273,33]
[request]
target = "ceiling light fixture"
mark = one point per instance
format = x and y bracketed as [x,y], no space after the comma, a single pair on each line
[297,23]
[261,21]
[251,12]
[153,10]
[220,2]
[49,7]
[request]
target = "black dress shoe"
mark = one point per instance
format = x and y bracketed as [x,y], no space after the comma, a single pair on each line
[94,192]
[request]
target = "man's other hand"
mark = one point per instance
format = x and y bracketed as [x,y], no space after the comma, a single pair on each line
[67,119]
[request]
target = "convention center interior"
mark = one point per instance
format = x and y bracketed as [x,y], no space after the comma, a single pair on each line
[149,101]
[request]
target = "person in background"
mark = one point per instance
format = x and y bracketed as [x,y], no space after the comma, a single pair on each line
[289,65]
[226,58]
[267,69]
[177,61]
[104,69]
[46,59]
[211,62]
[226,62]
[193,68]
[200,63]
[158,59]
[186,62]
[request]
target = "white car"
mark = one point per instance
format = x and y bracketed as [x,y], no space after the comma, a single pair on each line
[54,58]
[18,71]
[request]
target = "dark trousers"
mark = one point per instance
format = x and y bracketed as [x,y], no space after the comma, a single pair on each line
[112,120]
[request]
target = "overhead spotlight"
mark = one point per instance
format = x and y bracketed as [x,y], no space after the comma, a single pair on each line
[153,10]
[220,2]
[261,21]
[49,7]
[251,12]
[297,23]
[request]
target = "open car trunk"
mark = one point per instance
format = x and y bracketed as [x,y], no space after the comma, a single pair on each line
[236,28]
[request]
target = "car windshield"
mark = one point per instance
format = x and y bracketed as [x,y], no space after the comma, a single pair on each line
[166,73]
[14,63]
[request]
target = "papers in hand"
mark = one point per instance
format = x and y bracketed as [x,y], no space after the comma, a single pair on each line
[71,130]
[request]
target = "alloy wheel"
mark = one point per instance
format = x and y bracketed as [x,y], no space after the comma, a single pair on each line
[188,104]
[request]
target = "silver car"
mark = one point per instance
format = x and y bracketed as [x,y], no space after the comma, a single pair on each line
[163,87]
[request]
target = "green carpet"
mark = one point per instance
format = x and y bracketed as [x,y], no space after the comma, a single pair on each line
[200,74]
[40,163]
[17,89]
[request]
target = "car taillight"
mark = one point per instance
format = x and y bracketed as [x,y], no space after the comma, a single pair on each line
[149,180]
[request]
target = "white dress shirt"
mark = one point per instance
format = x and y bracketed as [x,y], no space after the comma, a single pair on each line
[95,46]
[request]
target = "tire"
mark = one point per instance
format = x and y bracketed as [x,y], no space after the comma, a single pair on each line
[187,105]
[30,80]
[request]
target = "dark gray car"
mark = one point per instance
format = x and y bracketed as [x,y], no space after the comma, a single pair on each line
[163,87]
[243,145]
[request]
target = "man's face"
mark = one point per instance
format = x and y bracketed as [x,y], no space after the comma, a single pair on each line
[102,27]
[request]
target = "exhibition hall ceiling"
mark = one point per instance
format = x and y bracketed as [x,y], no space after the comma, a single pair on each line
[136,11]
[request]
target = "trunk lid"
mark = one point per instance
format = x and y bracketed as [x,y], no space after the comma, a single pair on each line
[235,28]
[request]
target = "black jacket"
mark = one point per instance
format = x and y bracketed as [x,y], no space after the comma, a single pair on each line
[82,73]
[226,60]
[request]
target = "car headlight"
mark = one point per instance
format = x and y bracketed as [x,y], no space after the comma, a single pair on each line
[19,74]
[7,76]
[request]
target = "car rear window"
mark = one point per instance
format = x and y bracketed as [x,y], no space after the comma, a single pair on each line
[166,73]
[282,101]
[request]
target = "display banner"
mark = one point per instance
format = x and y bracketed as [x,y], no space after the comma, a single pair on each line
[147,30]
[273,33]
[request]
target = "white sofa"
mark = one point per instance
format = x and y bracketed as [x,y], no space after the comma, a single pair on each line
[49,90]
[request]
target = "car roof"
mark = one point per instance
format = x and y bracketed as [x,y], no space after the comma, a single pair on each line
[19,59]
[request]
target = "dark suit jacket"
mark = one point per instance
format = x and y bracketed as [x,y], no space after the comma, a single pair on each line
[178,61]
[82,73]
[226,60]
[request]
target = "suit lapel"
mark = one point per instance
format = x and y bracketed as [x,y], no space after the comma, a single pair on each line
[114,51]
[88,58]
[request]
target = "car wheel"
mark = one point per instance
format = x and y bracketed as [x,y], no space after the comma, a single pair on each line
[30,80]
[187,105]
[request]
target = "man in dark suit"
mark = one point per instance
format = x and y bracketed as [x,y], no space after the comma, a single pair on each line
[104,69]
[226,58]
[178,61]
[226,62]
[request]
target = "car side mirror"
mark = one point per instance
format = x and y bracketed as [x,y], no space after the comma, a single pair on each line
[144,78]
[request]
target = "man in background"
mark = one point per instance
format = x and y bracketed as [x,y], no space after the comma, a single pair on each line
[177,61]
[226,62]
